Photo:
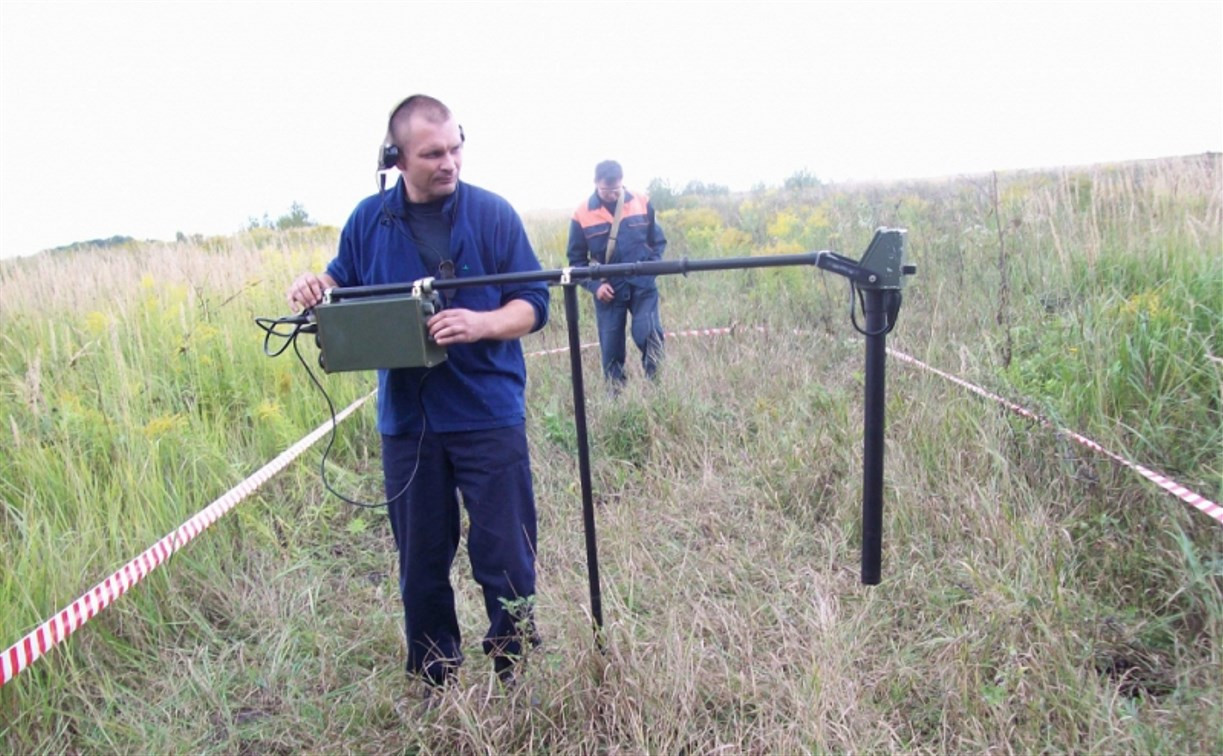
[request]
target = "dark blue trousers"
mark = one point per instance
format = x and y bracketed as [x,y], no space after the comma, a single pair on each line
[492,470]
[612,318]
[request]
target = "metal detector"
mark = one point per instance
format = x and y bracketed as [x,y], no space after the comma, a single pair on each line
[877,278]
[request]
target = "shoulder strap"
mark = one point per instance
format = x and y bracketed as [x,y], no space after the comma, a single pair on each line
[615,229]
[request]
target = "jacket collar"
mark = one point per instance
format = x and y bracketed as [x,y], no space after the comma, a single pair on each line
[595,203]
[396,201]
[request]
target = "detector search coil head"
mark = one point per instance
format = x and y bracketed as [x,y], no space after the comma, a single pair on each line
[884,261]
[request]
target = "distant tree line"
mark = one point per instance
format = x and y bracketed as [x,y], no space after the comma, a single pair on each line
[297,217]
[664,197]
[113,241]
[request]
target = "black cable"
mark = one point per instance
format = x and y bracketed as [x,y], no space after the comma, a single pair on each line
[445,266]
[853,313]
[302,324]
[388,218]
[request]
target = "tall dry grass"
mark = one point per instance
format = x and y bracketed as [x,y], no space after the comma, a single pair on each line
[1035,597]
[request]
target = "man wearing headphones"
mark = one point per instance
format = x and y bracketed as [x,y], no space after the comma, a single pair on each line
[457,428]
[616,226]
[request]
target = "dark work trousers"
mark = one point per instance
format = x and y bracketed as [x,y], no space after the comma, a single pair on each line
[642,303]
[492,470]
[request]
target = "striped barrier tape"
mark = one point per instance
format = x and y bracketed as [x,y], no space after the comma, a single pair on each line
[1193,499]
[55,630]
[26,651]
[1208,507]
[29,649]
[558,350]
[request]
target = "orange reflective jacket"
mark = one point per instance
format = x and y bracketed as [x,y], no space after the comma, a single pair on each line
[639,239]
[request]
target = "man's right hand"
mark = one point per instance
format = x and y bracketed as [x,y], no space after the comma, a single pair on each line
[307,290]
[605,292]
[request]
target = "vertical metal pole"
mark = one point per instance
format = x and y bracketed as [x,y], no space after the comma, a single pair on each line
[872,434]
[579,417]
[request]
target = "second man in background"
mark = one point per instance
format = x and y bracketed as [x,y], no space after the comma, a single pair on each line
[616,226]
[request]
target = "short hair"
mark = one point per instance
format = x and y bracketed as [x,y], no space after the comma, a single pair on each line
[427,107]
[608,170]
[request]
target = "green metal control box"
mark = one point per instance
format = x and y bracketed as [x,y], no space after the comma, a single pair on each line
[375,333]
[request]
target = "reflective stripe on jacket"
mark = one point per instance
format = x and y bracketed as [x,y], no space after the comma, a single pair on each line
[639,239]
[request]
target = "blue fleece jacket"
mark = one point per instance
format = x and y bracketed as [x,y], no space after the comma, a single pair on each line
[480,385]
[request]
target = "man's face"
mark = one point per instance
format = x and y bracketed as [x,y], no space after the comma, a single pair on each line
[432,157]
[609,191]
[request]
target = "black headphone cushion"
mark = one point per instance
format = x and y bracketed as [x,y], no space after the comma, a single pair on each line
[390,156]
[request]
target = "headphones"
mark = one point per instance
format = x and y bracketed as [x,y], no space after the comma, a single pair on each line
[390,155]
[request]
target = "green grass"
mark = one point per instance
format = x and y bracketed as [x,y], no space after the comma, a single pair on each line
[1035,596]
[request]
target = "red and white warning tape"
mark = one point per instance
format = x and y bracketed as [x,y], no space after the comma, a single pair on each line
[26,651]
[1210,508]
[558,350]
[34,645]
[50,633]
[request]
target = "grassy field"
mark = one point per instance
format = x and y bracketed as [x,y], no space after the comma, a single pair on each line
[1035,596]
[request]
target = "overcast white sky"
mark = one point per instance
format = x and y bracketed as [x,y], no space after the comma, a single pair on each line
[149,118]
